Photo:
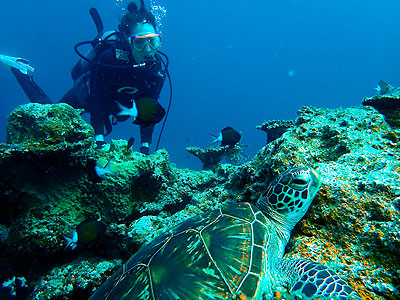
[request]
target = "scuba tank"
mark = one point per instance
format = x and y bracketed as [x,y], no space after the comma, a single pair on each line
[81,67]
[98,45]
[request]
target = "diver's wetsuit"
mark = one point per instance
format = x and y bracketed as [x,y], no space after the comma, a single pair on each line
[97,89]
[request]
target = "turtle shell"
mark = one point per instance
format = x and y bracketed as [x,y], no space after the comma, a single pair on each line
[216,255]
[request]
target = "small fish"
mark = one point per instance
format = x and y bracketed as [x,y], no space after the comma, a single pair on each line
[149,111]
[144,110]
[383,88]
[227,137]
[129,145]
[85,233]
[102,172]
[125,111]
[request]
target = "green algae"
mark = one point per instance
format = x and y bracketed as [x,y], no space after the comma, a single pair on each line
[41,126]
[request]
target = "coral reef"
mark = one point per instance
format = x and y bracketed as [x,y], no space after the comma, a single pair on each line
[212,156]
[352,226]
[43,138]
[47,126]
[387,104]
[275,128]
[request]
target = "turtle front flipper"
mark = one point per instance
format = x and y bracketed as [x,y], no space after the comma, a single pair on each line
[312,280]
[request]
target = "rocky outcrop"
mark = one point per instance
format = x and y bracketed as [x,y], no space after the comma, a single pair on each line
[47,127]
[275,128]
[212,156]
[387,102]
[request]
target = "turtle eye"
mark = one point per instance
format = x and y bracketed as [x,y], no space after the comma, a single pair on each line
[300,181]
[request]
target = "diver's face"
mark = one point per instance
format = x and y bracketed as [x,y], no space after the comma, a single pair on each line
[141,53]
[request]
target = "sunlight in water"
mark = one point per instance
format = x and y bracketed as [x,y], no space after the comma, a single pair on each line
[159,11]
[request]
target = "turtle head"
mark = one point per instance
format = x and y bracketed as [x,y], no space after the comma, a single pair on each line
[289,196]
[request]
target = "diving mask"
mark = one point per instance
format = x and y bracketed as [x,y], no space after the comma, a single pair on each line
[139,42]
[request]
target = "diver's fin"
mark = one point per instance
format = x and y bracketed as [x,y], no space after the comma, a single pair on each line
[18,63]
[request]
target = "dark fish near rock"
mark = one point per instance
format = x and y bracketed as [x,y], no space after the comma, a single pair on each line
[145,111]
[85,233]
[228,137]
[149,111]
[129,145]
[102,172]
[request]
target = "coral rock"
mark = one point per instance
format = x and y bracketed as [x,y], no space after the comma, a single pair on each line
[47,125]
[275,128]
[352,226]
[210,157]
[388,105]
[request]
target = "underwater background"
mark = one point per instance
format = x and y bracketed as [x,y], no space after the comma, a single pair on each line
[233,63]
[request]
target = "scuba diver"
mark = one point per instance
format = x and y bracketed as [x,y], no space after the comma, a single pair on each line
[121,77]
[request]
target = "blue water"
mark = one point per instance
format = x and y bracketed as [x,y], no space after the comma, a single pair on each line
[233,63]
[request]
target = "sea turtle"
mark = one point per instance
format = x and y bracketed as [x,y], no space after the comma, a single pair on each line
[234,252]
